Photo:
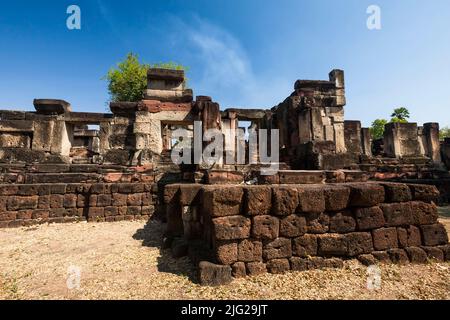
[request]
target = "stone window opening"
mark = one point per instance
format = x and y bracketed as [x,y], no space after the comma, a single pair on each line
[85,142]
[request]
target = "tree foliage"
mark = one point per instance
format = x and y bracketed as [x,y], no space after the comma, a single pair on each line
[377,128]
[128,80]
[400,115]
[444,133]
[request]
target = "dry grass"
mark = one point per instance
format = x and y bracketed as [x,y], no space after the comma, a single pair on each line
[123,261]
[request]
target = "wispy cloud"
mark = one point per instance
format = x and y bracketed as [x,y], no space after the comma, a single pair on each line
[226,71]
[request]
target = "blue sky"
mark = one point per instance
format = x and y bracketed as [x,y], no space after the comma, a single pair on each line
[243,53]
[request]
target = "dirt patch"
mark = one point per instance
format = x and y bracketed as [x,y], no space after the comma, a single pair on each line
[123,260]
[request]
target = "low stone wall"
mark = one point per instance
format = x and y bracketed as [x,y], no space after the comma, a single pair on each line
[28,204]
[248,230]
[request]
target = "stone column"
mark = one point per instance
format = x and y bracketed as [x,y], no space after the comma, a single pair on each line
[366,142]
[431,134]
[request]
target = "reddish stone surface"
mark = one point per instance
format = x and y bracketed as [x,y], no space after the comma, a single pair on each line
[311,200]
[369,218]
[293,226]
[258,200]
[278,248]
[285,201]
[231,228]
[342,222]
[385,238]
[265,227]
[305,245]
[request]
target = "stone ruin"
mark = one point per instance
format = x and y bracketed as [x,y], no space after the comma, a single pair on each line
[339,194]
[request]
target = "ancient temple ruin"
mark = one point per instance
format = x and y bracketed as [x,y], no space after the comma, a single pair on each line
[337,194]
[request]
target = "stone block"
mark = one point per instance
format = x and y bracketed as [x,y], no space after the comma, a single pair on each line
[446,250]
[336,197]
[398,256]
[381,256]
[278,266]
[134,199]
[211,274]
[359,243]
[342,222]
[258,200]
[317,222]
[70,201]
[424,213]
[367,259]
[397,214]
[103,200]
[434,253]
[369,218]
[231,228]
[265,227]
[423,192]
[366,195]
[223,201]
[119,199]
[293,226]
[305,245]
[249,251]
[299,264]
[434,234]
[96,212]
[311,200]
[238,270]
[277,249]
[256,268]
[416,255]
[285,201]
[385,238]
[397,192]
[51,106]
[301,176]
[20,203]
[190,194]
[332,245]
[226,252]
[111,211]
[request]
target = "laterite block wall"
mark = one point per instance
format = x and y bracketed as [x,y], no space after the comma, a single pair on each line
[28,204]
[248,230]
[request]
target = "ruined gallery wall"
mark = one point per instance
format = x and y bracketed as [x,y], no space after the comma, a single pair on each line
[255,229]
[29,204]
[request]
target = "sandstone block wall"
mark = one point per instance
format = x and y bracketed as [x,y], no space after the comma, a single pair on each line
[253,229]
[28,204]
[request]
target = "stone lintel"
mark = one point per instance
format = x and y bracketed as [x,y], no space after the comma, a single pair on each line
[51,106]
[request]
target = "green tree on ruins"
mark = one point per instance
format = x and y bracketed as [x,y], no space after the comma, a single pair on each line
[400,115]
[128,80]
[377,128]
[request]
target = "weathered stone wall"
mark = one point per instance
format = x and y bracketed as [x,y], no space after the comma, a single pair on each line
[254,229]
[28,204]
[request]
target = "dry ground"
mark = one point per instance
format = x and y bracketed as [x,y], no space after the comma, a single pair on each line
[122,260]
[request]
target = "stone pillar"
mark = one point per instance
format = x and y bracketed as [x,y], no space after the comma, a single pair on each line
[445,152]
[352,131]
[366,142]
[304,126]
[432,148]
[401,140]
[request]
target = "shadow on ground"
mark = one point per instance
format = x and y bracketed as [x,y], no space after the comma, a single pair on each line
[444,211]
[151,235]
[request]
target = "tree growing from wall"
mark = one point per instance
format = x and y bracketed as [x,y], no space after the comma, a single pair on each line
[398,115]
[128,80]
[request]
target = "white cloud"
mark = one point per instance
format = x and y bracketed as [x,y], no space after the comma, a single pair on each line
[227,73]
